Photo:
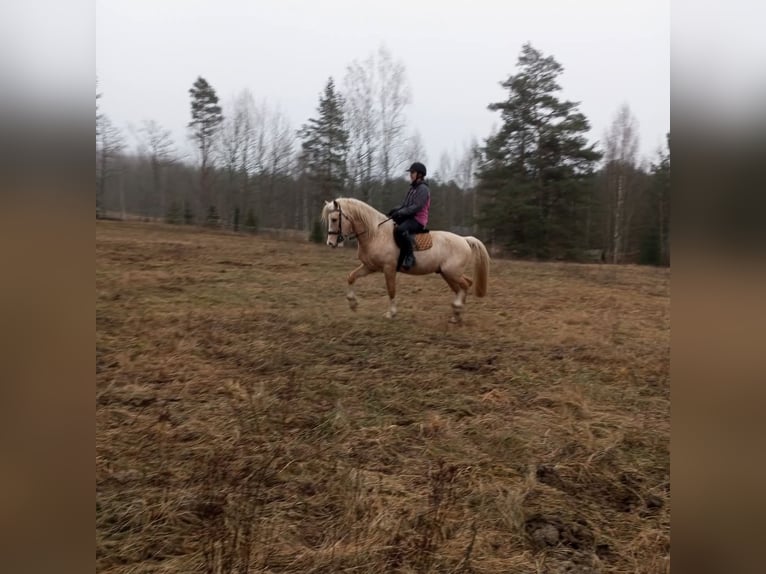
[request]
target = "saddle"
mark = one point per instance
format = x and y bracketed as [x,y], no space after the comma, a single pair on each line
[422,241]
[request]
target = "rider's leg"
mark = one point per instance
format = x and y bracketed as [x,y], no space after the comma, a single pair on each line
[406,229]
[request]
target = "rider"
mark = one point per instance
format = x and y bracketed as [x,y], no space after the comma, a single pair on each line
[412,215]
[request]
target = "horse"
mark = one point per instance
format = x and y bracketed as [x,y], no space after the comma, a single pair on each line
[351,218]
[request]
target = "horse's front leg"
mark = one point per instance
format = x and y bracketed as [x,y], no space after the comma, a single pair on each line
[360,271]
[390,273]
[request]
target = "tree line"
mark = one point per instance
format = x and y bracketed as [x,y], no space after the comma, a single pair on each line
[535,188]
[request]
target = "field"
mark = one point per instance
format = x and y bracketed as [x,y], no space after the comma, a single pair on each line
[248,421]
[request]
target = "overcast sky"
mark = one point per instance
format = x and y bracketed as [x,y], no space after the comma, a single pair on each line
[149,52]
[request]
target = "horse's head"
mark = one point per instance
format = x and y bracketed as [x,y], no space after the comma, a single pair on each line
[333,216]
[348,218]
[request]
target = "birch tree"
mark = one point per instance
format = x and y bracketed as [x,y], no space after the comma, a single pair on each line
[620,158]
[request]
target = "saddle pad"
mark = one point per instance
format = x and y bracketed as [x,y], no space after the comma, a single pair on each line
[423,241]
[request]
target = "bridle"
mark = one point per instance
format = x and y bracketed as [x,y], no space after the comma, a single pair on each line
[339,233]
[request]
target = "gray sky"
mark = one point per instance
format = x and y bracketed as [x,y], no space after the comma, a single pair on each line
[149,52]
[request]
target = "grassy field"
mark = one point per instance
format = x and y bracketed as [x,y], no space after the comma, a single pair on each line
[248,421]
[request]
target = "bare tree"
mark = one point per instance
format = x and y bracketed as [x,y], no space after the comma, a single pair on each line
[98,115]
[414,148]
[281,142]
[620,169]
[362,119]
[99,187]
[235,134]
[236,142]
[393,97]
[280,156]
[445,171]
[376,94]
[157,143]
[259,147]
[109,143]
[466,165]
[465,176]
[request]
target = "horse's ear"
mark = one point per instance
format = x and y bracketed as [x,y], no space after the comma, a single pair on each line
[335,203]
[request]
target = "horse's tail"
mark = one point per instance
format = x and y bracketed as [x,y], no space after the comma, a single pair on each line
[480,265]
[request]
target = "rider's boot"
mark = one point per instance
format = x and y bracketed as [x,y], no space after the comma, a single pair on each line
[407,257]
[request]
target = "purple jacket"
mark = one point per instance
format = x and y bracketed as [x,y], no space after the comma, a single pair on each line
[416,203]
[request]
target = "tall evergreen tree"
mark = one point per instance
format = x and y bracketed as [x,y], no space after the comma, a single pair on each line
[535,169]
[325,150]
[206,120]
[655,242]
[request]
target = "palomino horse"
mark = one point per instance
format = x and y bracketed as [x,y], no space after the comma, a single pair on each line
[350,218]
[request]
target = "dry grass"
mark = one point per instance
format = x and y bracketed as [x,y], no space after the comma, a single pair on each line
[248,421]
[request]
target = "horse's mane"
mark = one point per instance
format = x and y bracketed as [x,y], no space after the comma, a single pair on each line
[368,217]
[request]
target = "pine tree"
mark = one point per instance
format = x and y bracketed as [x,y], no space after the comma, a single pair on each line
[324,149]
[535,169]
[206,120]
[174,214]
[655,244]
[251,223]
[188,214]
[316,235]
[212,219]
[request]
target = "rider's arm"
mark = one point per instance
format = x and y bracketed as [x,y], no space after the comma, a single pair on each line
[419,199]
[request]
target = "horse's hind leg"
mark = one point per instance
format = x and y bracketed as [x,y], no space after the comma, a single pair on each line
[460,287]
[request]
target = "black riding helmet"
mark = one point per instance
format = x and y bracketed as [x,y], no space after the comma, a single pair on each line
[418,167]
